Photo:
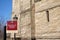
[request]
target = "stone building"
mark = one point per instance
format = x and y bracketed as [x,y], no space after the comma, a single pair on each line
[37,18]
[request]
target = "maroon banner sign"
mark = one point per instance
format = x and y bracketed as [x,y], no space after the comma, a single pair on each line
[11,25]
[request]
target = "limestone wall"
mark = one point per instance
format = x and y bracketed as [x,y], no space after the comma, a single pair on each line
[46,4]
[25,25]
[43,28]
[47,29]
[26,4]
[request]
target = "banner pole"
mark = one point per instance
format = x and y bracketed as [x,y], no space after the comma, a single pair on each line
[4,32]
[14,36]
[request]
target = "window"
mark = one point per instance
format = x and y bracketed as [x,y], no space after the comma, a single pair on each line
[47,12]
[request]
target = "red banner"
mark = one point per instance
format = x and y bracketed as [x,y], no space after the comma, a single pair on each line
[11,25]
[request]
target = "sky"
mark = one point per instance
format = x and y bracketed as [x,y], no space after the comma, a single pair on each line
[5,10]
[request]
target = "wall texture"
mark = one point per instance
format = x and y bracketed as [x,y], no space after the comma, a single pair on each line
[43,28]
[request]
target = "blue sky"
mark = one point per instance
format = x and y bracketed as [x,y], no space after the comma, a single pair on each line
[5,9]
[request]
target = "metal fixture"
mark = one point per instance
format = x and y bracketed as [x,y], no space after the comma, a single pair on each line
[15,17]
